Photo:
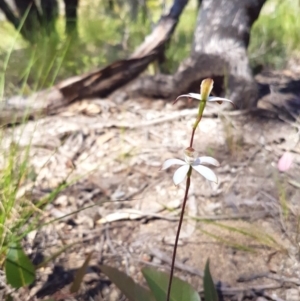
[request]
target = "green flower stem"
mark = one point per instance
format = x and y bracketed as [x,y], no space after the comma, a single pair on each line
[192,136]
[187,187]
[201,107]
[194,129]
[199,117]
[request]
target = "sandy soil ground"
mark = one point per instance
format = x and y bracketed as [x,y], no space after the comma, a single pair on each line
[247,224]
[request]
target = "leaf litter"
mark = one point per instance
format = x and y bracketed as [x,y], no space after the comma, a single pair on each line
[123,210]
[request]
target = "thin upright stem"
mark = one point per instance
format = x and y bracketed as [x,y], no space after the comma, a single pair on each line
[188,181]
[192,137]
[194,129]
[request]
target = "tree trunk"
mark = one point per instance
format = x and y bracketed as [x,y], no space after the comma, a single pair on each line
[37,22]
[50,13]
[27,9]
[219,51]
[9,14]
[71,16]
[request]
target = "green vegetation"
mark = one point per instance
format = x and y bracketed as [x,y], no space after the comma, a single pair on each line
[275,36]
[113,35]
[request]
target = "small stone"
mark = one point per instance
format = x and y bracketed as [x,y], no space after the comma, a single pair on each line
[114,295]
[132,270]
[105,291]
[117,195]
[85,220]
[31,236]
[292,294]
[233,170]
[90,277]
[156,261]
[62,200]
[146,257]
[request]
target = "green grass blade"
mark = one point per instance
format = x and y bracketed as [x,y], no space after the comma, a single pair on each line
[80,274]
[210,292]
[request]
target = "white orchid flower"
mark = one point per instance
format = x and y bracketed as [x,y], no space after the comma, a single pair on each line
[219,100]
[194,163]
[205,90]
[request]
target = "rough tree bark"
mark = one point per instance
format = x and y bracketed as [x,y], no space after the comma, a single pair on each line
[219,51]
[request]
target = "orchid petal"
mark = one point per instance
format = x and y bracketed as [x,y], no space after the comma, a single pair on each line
[219,99]
[171,162]
[190,95]
[180,174]
[195,95]
[206,160]
[206,172]
[180,96]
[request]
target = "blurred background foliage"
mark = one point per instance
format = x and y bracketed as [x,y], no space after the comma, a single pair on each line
[111,30]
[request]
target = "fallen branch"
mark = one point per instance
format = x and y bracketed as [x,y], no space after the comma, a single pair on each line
[99,83]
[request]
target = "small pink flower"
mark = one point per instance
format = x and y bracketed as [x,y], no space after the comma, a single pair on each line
[285,162]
